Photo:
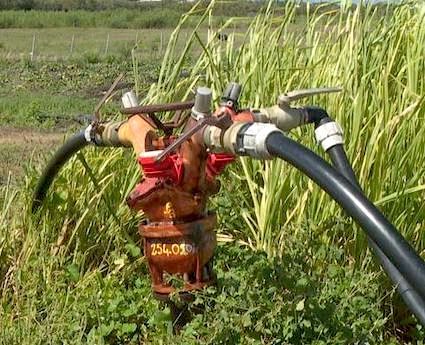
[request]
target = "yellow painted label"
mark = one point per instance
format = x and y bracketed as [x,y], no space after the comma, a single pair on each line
[169,211]
[171,249]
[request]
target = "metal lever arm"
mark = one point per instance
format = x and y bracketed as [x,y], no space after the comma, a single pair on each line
[286,98]
[206,121]
[286,117]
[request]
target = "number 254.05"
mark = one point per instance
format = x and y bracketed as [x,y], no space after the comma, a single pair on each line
[171,249]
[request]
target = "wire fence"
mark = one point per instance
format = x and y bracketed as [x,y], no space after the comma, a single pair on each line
[58,44]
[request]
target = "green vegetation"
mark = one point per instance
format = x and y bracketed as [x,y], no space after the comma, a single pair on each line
[42,100]
[85,45]
[57,5]
[231,8]
[295,270]
[301,301]
[155,18]
[114,15]
[42,94]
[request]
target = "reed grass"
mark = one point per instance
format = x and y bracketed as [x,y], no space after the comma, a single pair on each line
[378,61]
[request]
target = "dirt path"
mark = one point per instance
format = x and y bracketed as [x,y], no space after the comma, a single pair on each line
[28,136]
[22,146]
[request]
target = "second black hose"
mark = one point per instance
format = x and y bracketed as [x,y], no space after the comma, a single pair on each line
[412,299]
[370,219]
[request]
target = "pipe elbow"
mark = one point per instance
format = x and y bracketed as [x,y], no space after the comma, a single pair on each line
[136,133]
[317,115]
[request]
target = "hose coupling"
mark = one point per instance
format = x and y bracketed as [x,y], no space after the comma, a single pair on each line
[253,137]
[241,138]
[89,134]
[105,134]
[329,134]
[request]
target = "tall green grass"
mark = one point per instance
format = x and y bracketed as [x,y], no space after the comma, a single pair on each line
[378,60]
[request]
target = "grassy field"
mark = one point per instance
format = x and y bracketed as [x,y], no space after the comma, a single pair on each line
[96,44]
[56,43]
[118,18]
[142,16]
[293,268]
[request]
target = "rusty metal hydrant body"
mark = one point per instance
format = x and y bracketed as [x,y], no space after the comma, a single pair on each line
[179,236]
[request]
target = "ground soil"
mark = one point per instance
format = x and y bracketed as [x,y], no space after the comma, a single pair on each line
[21,146]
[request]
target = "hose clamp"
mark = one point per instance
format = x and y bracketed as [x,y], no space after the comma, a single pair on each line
[88,134]
[253,140]
[329,134]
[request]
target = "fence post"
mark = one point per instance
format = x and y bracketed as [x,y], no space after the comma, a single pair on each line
[160,44]
[71,48]
[32,54]
[107,45]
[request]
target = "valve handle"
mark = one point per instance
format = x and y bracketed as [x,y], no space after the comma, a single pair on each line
[96,118]
[286,98]
[185,136]
[218,121]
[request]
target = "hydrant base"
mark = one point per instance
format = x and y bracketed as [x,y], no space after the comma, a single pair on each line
[183,249]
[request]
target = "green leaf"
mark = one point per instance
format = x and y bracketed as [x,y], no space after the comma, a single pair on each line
[73,272]
[302,282]
[128,327]
[333,270]
[306,323]
[133,250]
[131,310]
[246,320]
[300,305]
[106,329]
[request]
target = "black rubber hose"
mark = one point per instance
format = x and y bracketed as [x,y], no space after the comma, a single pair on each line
[342,165]
[370,219]
[409,295]
[65,152]
[316,115]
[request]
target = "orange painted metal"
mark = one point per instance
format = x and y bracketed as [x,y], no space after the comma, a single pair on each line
[179,236]
[180,248]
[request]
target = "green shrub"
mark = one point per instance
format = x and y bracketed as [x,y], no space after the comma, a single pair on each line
[291,300]
[121,18]
[92,57]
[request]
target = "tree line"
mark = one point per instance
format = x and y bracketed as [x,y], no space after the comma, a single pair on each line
[226,8]
[98,5]
[65,5]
